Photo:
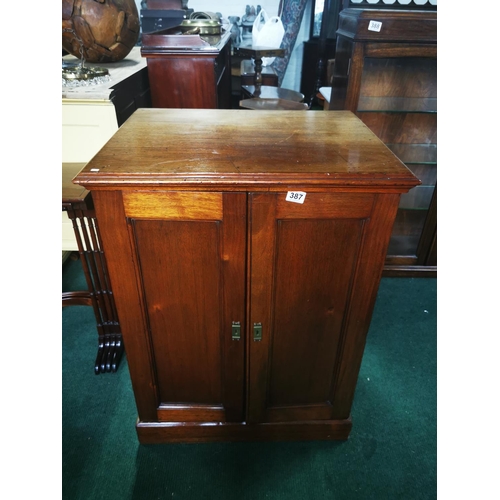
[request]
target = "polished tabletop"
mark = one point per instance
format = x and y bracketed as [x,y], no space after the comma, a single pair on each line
[231,148]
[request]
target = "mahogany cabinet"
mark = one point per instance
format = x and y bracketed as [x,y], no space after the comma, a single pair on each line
[385,71]
[245,251]
[188,71]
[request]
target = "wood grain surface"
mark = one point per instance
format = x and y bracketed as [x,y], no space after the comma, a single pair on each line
[238,149]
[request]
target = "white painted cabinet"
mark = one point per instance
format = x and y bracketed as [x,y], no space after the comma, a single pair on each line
[91,115]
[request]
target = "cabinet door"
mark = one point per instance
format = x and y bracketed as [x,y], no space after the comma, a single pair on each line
[315,269]
[187,258]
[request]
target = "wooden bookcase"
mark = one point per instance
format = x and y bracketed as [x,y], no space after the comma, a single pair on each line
[385,71]
[244,313]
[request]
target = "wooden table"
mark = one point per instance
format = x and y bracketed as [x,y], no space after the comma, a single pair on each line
[246,250]
[77,202]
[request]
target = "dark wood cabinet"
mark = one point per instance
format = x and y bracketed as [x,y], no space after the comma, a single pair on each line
[188,71]
[385,71]
[245,250]
[131,94]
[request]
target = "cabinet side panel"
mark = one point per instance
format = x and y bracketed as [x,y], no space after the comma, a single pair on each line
[122,267]
[366,282]
[314,267]
[181,277]
[182,81]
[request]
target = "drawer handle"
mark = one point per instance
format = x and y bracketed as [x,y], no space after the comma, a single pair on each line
[257,332]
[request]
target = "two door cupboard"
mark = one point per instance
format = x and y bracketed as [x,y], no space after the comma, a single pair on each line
[245,250]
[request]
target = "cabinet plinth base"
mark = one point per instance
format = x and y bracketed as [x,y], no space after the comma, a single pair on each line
[197,432]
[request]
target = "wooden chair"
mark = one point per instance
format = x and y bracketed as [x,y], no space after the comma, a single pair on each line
[77,202]
[267,96]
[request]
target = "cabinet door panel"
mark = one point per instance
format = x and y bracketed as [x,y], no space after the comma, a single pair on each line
[314,266]
[181,278]
[187,252]
[302,270]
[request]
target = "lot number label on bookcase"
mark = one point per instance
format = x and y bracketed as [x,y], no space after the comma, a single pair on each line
[374,26]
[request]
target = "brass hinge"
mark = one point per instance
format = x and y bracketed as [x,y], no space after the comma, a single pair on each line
[236,330]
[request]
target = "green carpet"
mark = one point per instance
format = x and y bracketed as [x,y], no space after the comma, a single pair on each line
[391,452]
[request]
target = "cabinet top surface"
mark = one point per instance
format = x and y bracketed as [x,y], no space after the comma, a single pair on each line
[241,149]
[162,43]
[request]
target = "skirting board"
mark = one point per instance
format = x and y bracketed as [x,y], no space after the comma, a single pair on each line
[196,432]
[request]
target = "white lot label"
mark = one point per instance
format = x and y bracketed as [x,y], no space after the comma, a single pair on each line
[295,196]
[374,26]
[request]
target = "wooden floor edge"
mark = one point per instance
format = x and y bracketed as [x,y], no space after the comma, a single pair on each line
[195,432]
